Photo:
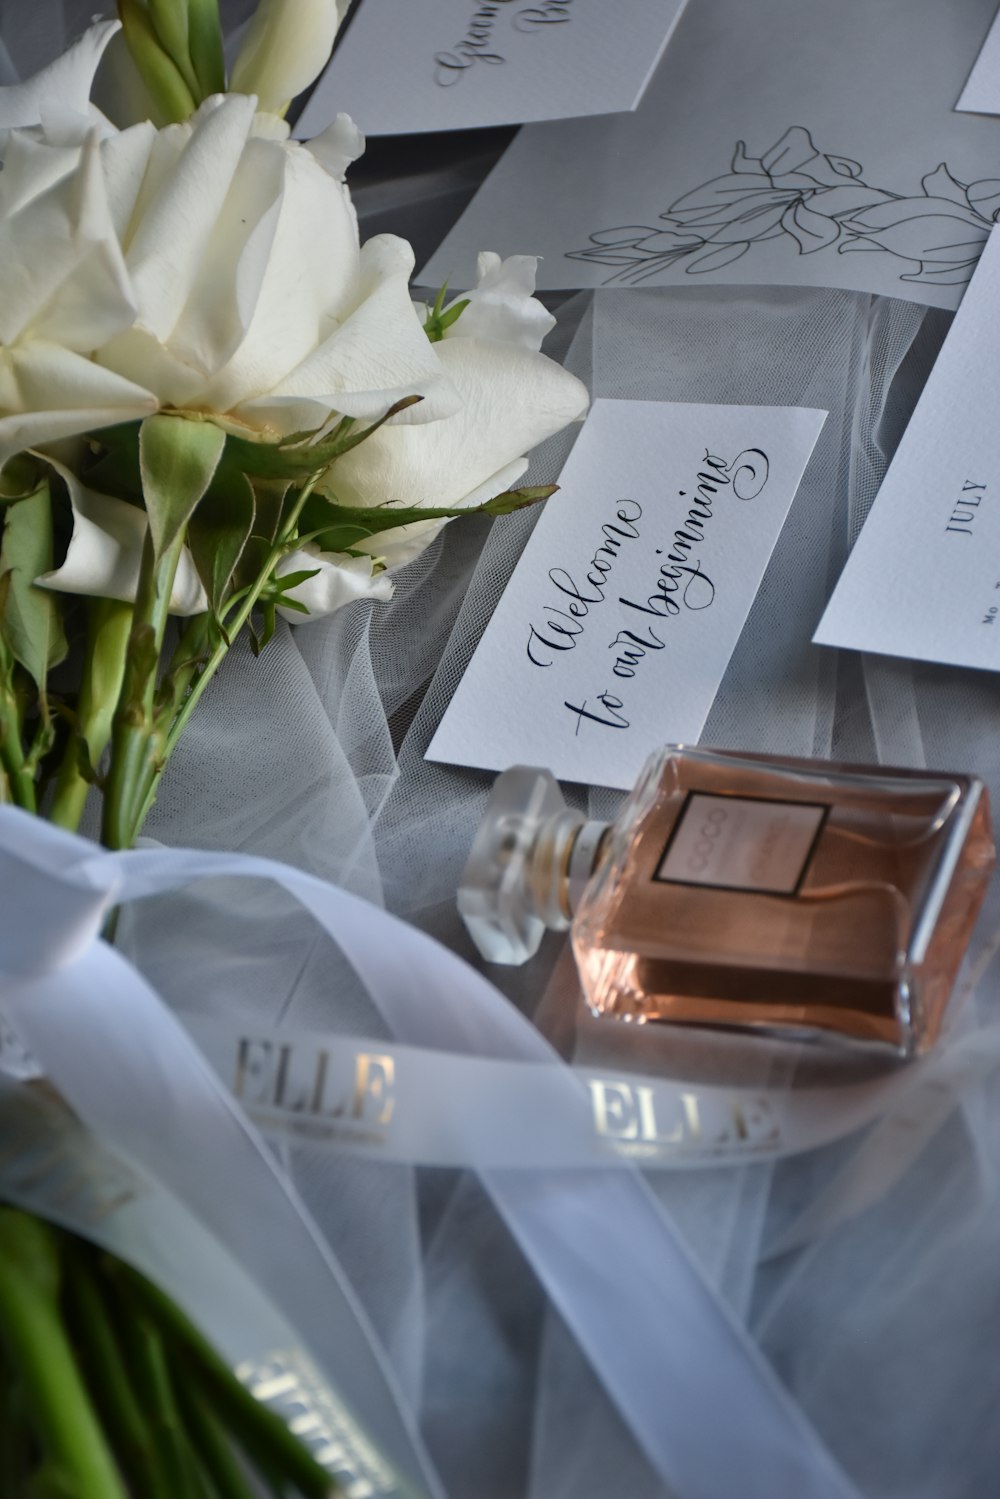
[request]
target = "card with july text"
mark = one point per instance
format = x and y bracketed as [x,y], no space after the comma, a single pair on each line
[780,142]
[619,620]
[923,579]
[457,64]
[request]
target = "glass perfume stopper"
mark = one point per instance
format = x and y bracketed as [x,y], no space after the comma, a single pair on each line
[530,860]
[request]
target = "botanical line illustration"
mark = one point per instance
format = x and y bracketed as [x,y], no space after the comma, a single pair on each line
[820,201]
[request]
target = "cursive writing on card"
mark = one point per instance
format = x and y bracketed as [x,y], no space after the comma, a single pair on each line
[632,591]
[411,65]
[682,580]
[479,42]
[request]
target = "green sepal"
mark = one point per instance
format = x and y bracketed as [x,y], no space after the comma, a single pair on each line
[298,459]
[177,460]
[438,321]
[31,621]
[170,22]
[337,527]
[205,46]
[220,529]
[269,504]
[164,81]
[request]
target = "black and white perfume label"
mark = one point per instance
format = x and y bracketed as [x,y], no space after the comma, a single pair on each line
[742,843]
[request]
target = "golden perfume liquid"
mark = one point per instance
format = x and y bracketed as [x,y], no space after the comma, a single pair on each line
[792,897]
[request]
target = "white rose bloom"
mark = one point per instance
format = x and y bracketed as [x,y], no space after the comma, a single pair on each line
[513,397]
[215,266]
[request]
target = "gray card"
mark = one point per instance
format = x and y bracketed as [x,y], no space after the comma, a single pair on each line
[781,142]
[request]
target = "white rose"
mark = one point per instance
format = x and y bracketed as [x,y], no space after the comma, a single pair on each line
[215,266]
[212,266]
[513,397]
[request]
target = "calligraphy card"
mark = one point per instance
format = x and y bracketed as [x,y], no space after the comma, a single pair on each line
[456,64]
[619,620]
[923,578]
[780,142]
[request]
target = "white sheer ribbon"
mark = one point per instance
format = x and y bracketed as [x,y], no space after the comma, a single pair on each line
[372,1098]
[671,1355]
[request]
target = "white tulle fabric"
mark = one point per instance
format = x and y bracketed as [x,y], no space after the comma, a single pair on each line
[882,1326]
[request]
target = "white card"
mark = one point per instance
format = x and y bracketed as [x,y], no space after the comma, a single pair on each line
[781,142]
[981,94]
[455,64]
[923,579]
[618,623]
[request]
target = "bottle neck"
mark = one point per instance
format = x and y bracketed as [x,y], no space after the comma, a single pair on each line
[566,851]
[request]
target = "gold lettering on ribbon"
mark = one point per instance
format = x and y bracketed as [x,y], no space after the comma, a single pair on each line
[374,1078]
[290,1383]
[614,1109]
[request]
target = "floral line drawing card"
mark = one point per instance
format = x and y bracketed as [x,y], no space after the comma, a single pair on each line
[787,142]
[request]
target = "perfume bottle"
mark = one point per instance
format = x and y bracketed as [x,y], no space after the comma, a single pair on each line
[794,897]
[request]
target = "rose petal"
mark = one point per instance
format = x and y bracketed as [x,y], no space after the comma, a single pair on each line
[502,306]
[377,356]
[60,265]
[511,400]
[105,552]
[69,79]
[48,392]
[173,234]
[287,297]
[403,544]
[338,580]
[337,146]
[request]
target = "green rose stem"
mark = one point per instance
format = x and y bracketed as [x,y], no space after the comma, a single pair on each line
[135,749]
[196,673]
[109,623]
[112,1381]
[18,775]
[212,1446]
[261,1433]
[31,1327]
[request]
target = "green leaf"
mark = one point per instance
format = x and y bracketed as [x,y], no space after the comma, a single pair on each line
[31,623]
[219,530]
[439,322]
[177,459]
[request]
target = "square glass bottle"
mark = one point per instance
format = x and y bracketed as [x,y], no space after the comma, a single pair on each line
[787,896]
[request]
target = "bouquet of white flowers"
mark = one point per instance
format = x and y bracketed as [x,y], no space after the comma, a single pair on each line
[214,402]
[217,407]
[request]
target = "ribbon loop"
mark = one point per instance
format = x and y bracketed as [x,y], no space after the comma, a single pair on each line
[54,897]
